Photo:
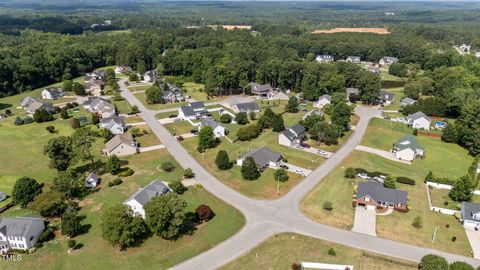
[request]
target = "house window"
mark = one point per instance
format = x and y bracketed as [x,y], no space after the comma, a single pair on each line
[22,246]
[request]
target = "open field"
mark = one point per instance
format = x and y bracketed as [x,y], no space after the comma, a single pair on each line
[281,251]
[380,31]
[440,197]
[148,139]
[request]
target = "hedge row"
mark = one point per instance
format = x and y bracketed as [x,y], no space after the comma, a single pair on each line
[405,180]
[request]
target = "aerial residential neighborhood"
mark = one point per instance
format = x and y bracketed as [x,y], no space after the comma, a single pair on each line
[239,135]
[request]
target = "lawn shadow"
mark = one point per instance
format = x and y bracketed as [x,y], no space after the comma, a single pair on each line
[4,106]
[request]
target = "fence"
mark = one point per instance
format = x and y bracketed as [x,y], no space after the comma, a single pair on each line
[445,186]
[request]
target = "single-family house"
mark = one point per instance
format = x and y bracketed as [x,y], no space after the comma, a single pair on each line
[353,59]
[322,101]
[277,95]
[194,110]
[246,107]
[218,130]
[312,112]
[292,136]
[171,96]
[470,215]
[52,93]
[144,195]
[263,157]
[92,180]
[387,60]
[122,69]
[93,86]
[477,55]
[465,48]
[95,75]
[3,196]
[373,69]
[260,89]
[26,101]
[478,167]
[101,107]
[386,98]
[324,58]
[407,148]
[19,233]
[407,101]
[116,124]
[373,196]
[149,76]
[351,91]
[121,145]
[419,120]
[35,105]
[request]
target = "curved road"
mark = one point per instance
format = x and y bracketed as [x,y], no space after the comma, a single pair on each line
[266,218]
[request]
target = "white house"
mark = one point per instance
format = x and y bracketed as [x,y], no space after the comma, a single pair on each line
[407,101]
[19,233]
[407,148]
[3,196]
[218,130]
[387,60]
[144,195]
[324,58]
[116,124]
[354,59]
[194,110]
[121,145]
[322,101]
[470,215]
[91,180]
[386,98]
[149,76]
[263,157]
[419,120]
[99,106]
[292,136]
[52,93]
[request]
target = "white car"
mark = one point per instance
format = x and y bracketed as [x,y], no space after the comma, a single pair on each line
[299,171]
[363,176]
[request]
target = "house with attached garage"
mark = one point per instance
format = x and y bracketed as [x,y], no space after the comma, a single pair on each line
[263,157]
[19,233]
[470,215]
[26,101]
[322,101]
[419,120]
[374,196]
[386,98]
[407,101]
[149,76]
[246,107]
[95,75]
[193,111]
[324,58]
[387,60]
[52,93]
[277,95]
[144,195]
[31,105]
[92,180]
[407,148]
[353,59]
[292,136]
[94,87]
[121,145]
[260,89]
[99,106]
[116,124]
[218,130]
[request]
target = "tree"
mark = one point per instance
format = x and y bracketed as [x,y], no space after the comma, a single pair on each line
[154,95]
[350,173]
[60,152]
[311,120]
[165,215]
[64,113]
[417,222]
[69,183]
[226,118]
[252,115]
[71,222]
[167,166]
[292,105]
[42,115]
[206,138]
[134,109]
[188,173]
[204,213]
[113,165]
[433,262]
[462,190]
[241,118]
[277,123]
[327,206]
[398,69]
[413,89]
[74,123]
[249,169]
[49,204]
[280,175]
[122,229]
[341,115]
[67,85]
[461,266]
[177,186]
[369,86]
[324,132]
[222,160]
[50,129]
[389,182]
[24,190]
[332,252]
[83,139]
[78,89]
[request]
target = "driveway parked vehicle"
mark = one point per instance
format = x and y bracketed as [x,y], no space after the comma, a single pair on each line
[194,131]
[363,176]
[306,145]
[172,116]
[283,166]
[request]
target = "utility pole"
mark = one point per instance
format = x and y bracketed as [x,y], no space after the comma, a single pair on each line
[434,234]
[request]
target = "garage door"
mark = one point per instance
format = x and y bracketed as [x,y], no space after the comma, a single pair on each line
[371,207]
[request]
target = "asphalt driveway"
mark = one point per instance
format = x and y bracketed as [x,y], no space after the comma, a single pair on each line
[365,221]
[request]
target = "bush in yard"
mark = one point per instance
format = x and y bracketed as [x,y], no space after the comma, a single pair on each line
[226,118]
[253,116]
[94,119]
[50,129]
[462,190]
[461,266]
[18,121]
[278,124]
[222,160]
[64,113]
[454,238]
[122,229]
[42,115]
[296,266]
[405,180]
[8,112]
[328,206]
[204,213]
[74,123]
[417,222]
[389,182]
[71,243]
[249,169]
[71,224]
[167,166]
[24,190]
[110,184]
[433,262]
[117,181]
[188,173]
[415,132]
[281,175]
[49,204]
[177,186]
[126,172]
[429,177]
[360,170]
[332,252]
[27,120]
[206,138]
[47,235]
[241,118]
[113,165]
[350,173]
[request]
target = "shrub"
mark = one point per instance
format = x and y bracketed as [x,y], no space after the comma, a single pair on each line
[64,113]
[8,112]
[328,206]
[461,266]
[415,132]
[433,262]
[350,173]
[454,238]
[113,165]
[204,213]
[389,182]
[226,118]
[27,120]
[332,252]
[74,123]
[445,203]
[117,181]
[405,180]
[377,174]
[167,166]
[188,173]
[71,243]
[177,186]
[18,121]
[417,222]
[110,184]
[360,170]
[241,118]
[46,235]
[126,172]
[50,129]
[296,266]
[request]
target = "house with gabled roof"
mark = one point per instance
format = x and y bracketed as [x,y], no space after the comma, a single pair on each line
[26,101]
[324,58]
[21,233]
[385,97]
[419,120]
[387,60]
[121,145]
[91,180]
[95,75]
[407,148]
[246,107]
[322,101]
[149,76]
[260,89]
[52,93]
[194,110]
[407,101]
[353,59]
[218,130]
[292,136]
[470,215]
[263,157]
[144,195]
[277,95]
[374,196]
[99,106]
[116,124]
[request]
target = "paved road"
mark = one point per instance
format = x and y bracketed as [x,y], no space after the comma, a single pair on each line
[266,218]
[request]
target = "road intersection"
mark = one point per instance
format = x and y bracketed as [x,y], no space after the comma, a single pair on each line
[267,218]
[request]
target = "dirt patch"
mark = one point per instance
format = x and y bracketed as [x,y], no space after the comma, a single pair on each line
[85,202]
[231,27]
[96,208]
[379,31]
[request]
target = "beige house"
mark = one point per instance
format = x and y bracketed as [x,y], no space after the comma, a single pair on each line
[121,145]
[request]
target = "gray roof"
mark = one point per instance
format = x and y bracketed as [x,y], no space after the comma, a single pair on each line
[92,175]
[248,107]
[469,209]
[150,73]
[27,101]
[209,122]
[408,101]
[287,133]
[187,110]
[110,121]
[298,129]
[262,156]
[55,91]
[294,132]
[36,105]
[408,141]
[125,138]
[418,115]
[327,97]
[197,105]
[19,226]
[379,193]
[384,95]
[150,191]
[260,87]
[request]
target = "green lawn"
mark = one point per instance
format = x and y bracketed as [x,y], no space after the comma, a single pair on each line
[444,159]
[133,119]
[398,97]
[440,196]
[281,251]
[180,127]
[143,98]
[149,139]
[122,106]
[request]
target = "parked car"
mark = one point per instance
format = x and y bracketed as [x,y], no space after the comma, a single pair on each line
[299,171]
[363,176]
[194,131]
[283,166]
[180,138]
[322,152]
[379,179]
[387,117]
[306,145]
[172,116]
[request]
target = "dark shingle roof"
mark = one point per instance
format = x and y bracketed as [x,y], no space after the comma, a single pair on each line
[468,209]
[187,110]
[298,129]
[150,191]
[248,107]
[418,115]
[384,95]
[262,156]
[19,226]
[381,194]
[197,105]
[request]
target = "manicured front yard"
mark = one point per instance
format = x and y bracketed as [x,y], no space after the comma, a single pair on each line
[148,139]
[281,251]
[180,127]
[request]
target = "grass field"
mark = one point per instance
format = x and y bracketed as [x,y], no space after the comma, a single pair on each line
[440,196]
[281,251]
[148,139]
[180,127]
[122,106]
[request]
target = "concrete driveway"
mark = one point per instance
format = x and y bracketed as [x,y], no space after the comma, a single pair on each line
[474,239]
[297,169]
[382,153]
[365,221]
